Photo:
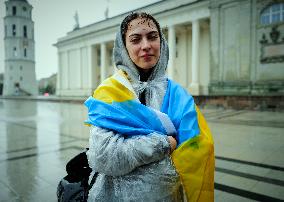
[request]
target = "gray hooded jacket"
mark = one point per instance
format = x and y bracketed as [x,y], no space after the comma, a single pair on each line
[136,168]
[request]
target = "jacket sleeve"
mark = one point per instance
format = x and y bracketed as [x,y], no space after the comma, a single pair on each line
[115,155]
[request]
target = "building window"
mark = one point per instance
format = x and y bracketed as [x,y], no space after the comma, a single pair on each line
[98,57]
[176,48]
[5,30]
[15,51]
[272,14]
[21,68]
[109,56]
[25,52]
[14,30]
[25,31]
[24,8]
[21,78]
[14,10]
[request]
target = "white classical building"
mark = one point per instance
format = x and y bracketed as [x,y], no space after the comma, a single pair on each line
[19,75]
[217,47]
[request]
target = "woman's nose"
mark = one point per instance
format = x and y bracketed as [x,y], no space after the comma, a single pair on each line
[145,44]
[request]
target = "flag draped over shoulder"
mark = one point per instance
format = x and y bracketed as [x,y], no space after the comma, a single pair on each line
[115,106]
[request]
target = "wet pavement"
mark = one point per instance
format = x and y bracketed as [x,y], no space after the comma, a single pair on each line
[38,138]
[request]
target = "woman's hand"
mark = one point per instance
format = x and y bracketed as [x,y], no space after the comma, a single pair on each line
[173,143]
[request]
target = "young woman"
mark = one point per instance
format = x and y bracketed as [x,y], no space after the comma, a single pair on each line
[136,124]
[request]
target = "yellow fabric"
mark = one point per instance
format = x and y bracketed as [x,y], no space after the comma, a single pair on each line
[195,163]
[112,90]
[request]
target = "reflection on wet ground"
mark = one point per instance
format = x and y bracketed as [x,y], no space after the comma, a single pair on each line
[38,138]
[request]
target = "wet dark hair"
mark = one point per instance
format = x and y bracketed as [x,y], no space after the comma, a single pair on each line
[133,16]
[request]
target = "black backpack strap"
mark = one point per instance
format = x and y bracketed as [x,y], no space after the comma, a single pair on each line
[93,180]
[87,189]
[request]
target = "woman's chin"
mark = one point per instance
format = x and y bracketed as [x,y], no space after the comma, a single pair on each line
[146,69]
[147,66]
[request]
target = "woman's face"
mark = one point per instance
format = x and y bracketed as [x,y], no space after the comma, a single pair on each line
[142,42]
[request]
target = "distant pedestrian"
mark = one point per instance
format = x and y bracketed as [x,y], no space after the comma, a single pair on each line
[147,138]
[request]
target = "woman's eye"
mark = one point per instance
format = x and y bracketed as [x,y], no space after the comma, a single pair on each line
[134,40]
[153,37]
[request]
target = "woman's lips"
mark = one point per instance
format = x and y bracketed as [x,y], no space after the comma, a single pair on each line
[146,57]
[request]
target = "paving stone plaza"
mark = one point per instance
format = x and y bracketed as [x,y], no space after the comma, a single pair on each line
[37,138]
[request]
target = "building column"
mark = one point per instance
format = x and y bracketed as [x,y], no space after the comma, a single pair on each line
[80,72]
[90,66]
[59,74]
[68,75]
[172,50]
[103,61]
[194,86]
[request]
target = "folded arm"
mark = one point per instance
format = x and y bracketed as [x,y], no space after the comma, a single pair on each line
[113,154]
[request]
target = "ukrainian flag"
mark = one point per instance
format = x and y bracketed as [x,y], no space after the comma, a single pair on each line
[115,106]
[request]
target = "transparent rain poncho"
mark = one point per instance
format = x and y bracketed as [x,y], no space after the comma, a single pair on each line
[131,154]
[135,166]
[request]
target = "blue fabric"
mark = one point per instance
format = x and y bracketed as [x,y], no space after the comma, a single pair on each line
[134,118]
[179,105]
[128,118]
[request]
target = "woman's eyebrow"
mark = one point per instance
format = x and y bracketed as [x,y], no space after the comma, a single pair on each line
[134,35]
[153,32]
[149,33]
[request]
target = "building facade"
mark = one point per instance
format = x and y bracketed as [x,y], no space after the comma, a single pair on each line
[217,47]
[19,75]
[247,47]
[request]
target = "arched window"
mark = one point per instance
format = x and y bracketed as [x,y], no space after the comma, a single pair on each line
[272,14]
[25,31]
[14,10]
[14,30]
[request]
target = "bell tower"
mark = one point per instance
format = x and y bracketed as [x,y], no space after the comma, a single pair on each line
[19,75]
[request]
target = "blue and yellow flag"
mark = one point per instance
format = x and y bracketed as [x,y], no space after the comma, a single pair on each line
[115,106]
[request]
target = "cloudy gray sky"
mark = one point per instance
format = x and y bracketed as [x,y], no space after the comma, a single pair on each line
[54,18]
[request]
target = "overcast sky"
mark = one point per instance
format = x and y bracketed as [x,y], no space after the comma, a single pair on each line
[54,18]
